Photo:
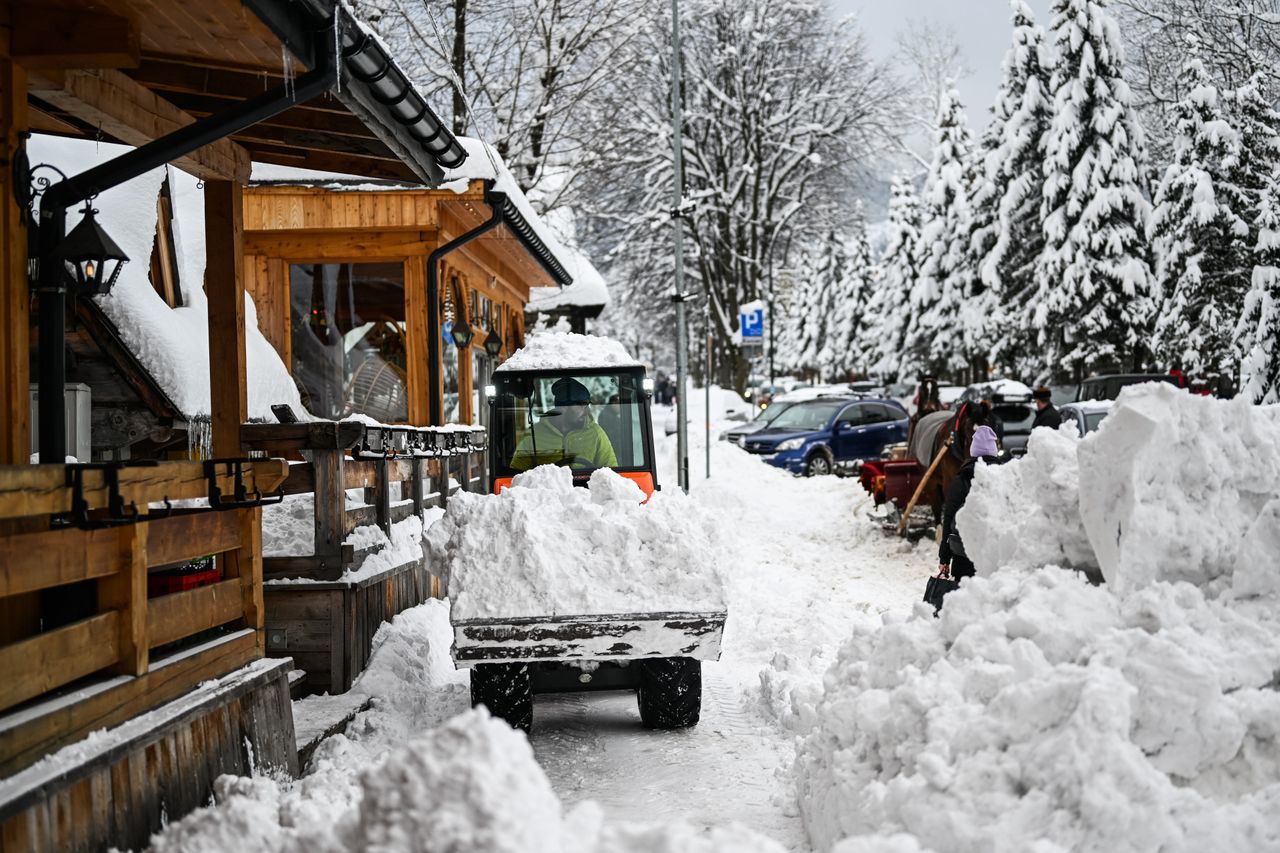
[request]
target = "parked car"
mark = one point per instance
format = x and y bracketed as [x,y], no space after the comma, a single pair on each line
[1086,414]
[821,436]
[1011,403]
[779,405]
[1108,387]
[948,394]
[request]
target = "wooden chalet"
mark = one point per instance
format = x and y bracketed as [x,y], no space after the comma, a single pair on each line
[98,629]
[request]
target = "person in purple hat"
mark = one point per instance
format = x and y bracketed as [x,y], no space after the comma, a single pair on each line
[952,560]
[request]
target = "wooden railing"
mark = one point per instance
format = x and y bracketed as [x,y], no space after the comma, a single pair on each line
[339,459]
[117,626]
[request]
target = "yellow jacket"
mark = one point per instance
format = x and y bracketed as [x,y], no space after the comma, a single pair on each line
[589,442]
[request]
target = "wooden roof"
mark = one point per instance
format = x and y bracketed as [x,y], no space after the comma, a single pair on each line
[170,62]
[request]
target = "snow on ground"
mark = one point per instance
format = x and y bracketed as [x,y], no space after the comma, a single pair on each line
[802,565]
[1041,712]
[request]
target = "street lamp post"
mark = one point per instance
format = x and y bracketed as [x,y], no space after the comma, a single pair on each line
[682,343]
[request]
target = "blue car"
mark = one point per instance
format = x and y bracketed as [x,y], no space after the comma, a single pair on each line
[818,436]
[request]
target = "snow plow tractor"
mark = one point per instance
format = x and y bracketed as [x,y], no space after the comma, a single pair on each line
[579,414]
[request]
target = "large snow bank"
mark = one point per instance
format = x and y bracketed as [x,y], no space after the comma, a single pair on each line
[568,351]
[1040,712]
[544,547]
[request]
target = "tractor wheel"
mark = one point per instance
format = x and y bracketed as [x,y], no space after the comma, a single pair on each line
[670,692]
[819,464]
[506,690]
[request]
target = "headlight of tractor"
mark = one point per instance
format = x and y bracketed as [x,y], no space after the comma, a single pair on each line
[791,444]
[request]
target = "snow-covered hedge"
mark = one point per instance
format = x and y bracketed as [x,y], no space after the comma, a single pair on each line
[1042,712]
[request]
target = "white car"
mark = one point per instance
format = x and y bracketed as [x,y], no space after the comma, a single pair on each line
[1085,414]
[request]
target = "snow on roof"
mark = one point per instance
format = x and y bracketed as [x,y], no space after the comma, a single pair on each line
[587,291]
[561,350]
[171,343]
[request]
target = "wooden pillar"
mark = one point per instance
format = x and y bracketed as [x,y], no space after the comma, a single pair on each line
[245,563]
[330,512]
[418,361]
[224,285]
[15,295]
[126,592]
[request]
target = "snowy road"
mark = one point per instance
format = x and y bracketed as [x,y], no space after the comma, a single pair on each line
[804,563]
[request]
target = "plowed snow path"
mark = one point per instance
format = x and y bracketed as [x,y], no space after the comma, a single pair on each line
[807,562]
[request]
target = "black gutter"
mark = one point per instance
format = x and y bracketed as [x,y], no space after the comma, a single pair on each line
[524,232]
[435,369]
[373,87]
[51,277]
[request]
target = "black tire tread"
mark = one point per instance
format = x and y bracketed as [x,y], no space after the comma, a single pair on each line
[670,692]
[506,689]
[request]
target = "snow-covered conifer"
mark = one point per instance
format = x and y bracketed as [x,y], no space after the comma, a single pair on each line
[1200,236]
[934,338]
[1259,328]
[842,351]
[889,307]
[1007,233]
[1094,280]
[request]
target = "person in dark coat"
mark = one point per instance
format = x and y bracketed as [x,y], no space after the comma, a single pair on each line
[982,451]
[1046,414]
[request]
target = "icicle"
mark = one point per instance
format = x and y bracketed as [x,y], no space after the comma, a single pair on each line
[200,438]
[337,44]
[288,71]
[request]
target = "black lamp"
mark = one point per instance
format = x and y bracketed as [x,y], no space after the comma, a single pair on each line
[92,258]
[493,343]
[462,333]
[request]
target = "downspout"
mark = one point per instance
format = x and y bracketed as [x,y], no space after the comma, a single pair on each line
[51,278]
[435,405]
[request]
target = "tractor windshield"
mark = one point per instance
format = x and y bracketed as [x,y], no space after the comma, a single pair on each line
[583,421]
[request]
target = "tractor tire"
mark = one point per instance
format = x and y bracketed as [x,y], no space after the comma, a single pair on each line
[819,464]
[506,689]
[670,692]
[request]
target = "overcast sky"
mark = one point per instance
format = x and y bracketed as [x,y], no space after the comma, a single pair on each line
[981,27]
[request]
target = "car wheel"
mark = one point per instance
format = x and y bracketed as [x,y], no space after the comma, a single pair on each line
[819,464]
[506,690]
[670,692]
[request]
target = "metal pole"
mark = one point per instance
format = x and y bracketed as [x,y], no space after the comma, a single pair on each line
[706,319]
[682,343]
[769,319]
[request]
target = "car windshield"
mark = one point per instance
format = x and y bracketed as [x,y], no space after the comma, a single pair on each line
[1091,420]
[771,411]
[583,421]
[808,416]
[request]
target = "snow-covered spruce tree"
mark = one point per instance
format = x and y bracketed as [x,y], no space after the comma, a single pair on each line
[934,338]
[889,308]
[1094,282]
[1259,328]
[841,354]
[1007,233]
[813,301]
[1200,236]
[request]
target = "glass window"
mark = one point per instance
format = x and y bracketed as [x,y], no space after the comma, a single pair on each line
[854,415]
[481,375]
[348,328]
[808,416]
[582,421]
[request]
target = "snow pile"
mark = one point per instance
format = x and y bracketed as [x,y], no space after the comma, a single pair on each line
[1183,487]
[568,351]
[1041,711]
[1026,513]
[543,547]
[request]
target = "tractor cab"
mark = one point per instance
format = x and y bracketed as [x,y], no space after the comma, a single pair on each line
[581,417]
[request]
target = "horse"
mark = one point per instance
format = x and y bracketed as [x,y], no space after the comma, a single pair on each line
[946,439]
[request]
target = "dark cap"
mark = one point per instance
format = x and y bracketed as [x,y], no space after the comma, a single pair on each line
[1042,393]
[569,391]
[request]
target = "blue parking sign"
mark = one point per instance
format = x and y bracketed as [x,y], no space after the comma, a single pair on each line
[751,319]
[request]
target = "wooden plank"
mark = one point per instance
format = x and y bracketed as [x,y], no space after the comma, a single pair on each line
[185,537]
[172,617]
[50,660]
[34,734]
[317,435]
[34,561]
[47,36]
[15,295]
[359,516]
[129,112]
[126,593]
[382,498]
[330,511]
[224,284]
[344,246]
[42,489]
[245,564]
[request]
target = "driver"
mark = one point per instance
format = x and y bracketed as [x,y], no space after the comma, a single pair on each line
[566,434]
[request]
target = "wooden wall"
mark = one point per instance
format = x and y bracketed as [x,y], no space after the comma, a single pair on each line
[119,792]
[295,208]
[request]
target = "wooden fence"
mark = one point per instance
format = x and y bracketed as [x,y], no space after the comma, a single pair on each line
[99,670]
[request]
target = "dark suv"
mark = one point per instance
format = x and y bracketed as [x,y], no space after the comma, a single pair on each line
[819,436]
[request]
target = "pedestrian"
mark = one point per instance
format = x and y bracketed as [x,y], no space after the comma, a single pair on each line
[1046,414]
[952,561]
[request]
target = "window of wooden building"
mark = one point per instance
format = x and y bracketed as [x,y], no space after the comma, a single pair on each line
[348,348]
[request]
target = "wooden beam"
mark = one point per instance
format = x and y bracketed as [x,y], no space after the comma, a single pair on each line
[49,558]
[133,114]
[15,295]
[54,658]
[416,336]
[224,284]
[125,593]
[46,36]
[172,617]
[349,246]
[349,164]
[180,538]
